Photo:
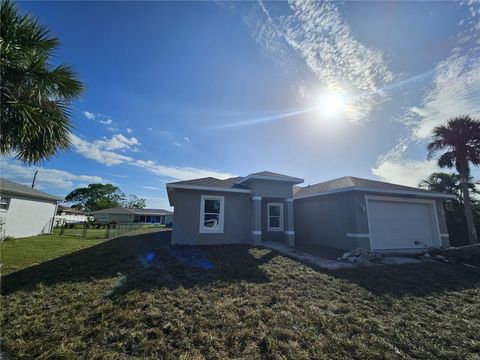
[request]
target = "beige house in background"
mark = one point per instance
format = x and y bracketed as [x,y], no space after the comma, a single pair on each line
[132,215]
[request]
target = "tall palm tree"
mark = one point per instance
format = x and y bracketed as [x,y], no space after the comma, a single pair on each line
[459,139]
[35,95]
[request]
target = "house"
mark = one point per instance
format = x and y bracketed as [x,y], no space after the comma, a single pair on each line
[132,215]
[345,213]
[25,211]
[67,215]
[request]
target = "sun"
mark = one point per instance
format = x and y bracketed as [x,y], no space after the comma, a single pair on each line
[332,104]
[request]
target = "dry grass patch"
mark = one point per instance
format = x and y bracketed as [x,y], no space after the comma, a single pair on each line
[138,297]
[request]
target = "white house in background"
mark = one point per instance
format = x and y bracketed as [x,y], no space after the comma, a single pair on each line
[25,211]
[67,215]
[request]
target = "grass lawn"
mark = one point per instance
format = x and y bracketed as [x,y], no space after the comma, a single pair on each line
[137,297]
[17,254]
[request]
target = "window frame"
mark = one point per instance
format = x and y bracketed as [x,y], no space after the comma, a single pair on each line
[6,201]
[280,227]
[221,216]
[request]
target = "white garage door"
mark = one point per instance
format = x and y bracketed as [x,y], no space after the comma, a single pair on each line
[401,225]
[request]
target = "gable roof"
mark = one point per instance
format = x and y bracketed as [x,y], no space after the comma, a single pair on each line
[211,182]
[269,175]
[11,187]
[133,211]
[350,183]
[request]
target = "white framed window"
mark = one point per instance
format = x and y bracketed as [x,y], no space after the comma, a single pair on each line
[211,214]
[275,216]
[4,203]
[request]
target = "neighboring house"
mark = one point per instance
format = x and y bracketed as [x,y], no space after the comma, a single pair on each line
[67,215]
[25,211]
[345,213]
[132,215]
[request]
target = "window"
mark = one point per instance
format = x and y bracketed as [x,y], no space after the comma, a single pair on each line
[275,217]
[4,203]
[211,214]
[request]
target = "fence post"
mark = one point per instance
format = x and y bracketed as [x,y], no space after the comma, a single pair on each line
[107,232]
[62,229]
[84,234]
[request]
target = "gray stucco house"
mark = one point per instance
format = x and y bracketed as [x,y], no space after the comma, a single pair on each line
[344,213]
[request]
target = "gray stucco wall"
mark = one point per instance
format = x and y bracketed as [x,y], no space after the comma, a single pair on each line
[268,188]
[278,236]
[237,219]
[326,220]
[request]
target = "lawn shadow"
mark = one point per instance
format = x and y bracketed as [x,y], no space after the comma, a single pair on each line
[418,280]
[146,261]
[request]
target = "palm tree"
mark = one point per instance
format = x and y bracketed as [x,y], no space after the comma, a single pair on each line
[459,138]
[35,96]
[448,183]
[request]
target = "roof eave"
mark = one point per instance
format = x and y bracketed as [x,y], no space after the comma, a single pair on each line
[384,191]
[271,178]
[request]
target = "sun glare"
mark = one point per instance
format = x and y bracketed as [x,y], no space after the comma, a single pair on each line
[332,104]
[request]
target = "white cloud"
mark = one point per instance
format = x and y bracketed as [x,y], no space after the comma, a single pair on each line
[46,178]
[177,144]
[97,151]
[89,115]
[129,130]
[455,89]
[314,38]
[150,188]
[106,122]
[117,142]
[102,151]
[180,173]
[405,172]
[149,129]
[187,139]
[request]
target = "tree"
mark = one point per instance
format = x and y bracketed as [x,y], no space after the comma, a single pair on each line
[448,183]
[96,197]
[35,96]
[135,202]
[459,141]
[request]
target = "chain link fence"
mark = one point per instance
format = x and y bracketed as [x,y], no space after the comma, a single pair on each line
[98,231]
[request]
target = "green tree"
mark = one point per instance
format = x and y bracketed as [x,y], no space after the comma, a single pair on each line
[35,95]
[448,183]
[96,197]
[134,201]
[459,143]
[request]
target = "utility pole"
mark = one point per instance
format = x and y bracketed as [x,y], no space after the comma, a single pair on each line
[34,178]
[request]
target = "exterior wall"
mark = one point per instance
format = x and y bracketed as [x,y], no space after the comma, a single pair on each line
[67,218]
[168,219]
[237,219]
[278,236]
[340,220]
[119,218]
[28,217]
[325,220]
[269,188]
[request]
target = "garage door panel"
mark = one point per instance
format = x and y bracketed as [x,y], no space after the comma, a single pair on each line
[401,225]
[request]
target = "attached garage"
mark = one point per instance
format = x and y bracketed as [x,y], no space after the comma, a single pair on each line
[399,223]
[349,213]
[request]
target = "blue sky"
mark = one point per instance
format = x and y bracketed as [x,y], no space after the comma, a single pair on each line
[191,89]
